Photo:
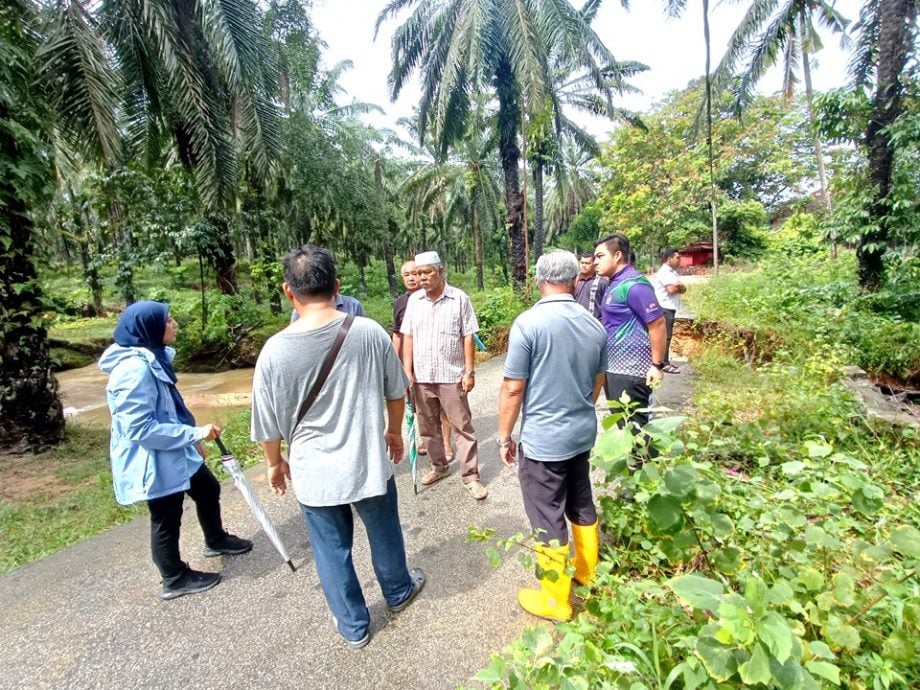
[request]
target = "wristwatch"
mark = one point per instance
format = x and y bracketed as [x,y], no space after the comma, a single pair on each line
[502,442]
[658,365]
[470,373]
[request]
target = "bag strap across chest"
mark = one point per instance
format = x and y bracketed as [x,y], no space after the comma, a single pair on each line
[326,368]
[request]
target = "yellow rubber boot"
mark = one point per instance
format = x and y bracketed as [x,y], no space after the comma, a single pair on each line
[586,540]
[552,599]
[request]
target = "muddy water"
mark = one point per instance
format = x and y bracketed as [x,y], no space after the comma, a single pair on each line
[210,397]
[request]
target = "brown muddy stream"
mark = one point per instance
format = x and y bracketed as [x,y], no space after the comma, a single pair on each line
[213,397]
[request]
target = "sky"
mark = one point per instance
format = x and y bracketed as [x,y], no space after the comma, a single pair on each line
[672,48]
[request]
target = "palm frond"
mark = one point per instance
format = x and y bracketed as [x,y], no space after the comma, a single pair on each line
[84,88]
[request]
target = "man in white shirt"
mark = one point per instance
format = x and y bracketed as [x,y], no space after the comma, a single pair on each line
[437,353]
[668,290]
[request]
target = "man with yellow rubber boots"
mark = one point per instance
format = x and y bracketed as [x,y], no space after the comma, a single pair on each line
[554,372]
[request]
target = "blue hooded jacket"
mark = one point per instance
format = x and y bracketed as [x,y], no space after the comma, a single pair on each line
[153,453]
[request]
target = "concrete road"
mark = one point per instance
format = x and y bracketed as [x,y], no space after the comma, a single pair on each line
[89,616]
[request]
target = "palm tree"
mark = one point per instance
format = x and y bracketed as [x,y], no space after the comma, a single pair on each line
[771,29]
[886,42]
[192,74]
[675,8]
[462,47]
[574,186]
[546,140]
[31,416]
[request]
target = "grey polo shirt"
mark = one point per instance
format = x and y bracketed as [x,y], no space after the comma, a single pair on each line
[559,348]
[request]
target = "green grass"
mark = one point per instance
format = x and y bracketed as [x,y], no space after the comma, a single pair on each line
[52,500]
[802,303]
[93,330]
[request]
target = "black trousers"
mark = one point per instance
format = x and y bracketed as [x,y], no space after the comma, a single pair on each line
[669,316]
[637,390]
[554,491]
[166,519]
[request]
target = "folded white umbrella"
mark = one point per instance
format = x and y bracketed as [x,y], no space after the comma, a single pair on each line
[232,465]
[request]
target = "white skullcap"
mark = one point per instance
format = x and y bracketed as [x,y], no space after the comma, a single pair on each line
[427,259]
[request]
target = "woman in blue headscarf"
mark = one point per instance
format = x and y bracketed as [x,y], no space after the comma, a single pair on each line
[156,449]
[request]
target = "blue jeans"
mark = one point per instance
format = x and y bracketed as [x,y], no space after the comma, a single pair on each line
[331,530]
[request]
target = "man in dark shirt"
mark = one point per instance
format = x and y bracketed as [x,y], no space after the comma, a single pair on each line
[590,287]
[410,280]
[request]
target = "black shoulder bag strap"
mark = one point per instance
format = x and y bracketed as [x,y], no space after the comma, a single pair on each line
[325,369]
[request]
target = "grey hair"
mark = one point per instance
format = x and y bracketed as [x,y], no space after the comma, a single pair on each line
[557,268]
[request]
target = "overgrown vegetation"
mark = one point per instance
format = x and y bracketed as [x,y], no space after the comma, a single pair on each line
[801,301]
[235,326]
[773,544]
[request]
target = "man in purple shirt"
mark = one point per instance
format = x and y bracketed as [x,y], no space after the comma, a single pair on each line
[635,326]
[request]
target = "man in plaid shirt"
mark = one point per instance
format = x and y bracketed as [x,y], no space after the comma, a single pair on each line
[437,354]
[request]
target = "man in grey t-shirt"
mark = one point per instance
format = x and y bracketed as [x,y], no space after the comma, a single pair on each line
[554,371]
[339,454]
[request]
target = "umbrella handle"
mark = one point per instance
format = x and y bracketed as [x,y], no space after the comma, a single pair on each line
[221,446]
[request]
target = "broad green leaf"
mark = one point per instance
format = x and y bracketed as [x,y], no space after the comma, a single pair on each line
[674,551]
[574,683]
[681,481]
[899,647]
[844,591]
[816,536]
[818,450]
[780,594]
[722,525]
[756,670]
[824,669]
[717,658]
[821,650]
[792,468]
[663,425]
[867,500]
[707,491]
[697,591]
[664,515]
[906,540]
[493,673]
[774,632]
[840,636]
[727,560]
[614,444]
[736,626]
[790,675]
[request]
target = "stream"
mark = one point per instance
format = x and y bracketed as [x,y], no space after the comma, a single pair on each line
[212,397]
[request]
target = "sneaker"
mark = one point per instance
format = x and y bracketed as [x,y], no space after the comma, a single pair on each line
[354,644]
[230,545]
[418,584]
[476,488]
[191,582]
[358,644]
[434,476]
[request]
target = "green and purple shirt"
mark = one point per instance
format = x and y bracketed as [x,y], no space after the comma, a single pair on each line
[629,304]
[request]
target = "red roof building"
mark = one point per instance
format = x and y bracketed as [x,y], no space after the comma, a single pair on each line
[696,254]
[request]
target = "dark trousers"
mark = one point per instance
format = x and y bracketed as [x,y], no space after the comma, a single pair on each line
[554,491]
[166,519]
[637,390]
[669,316]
